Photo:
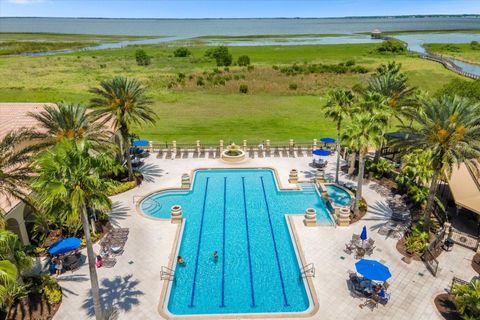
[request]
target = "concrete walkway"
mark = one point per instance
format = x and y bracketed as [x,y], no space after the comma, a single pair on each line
[134,285]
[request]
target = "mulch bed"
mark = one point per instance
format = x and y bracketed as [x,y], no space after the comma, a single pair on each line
[358,217]
[403,250]
[476,263]
[36,307]
[446,306]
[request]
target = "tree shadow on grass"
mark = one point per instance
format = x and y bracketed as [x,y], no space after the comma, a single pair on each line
[120,292]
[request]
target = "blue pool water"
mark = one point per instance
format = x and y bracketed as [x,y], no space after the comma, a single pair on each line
[339,196]
[241,214]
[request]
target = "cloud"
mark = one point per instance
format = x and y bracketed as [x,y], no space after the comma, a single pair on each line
[25,1]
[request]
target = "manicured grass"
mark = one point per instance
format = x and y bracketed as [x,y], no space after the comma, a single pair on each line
[268,111]
[461,51]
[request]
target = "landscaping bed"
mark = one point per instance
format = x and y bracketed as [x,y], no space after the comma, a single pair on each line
[446,306]
[476,263]
[35,307]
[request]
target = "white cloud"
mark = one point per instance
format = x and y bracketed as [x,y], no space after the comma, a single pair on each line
[25,1]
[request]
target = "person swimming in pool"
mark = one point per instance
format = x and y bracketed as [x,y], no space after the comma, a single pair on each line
[180,260]
[215,256]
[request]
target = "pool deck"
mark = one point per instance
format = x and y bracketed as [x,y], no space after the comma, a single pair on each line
[134,284]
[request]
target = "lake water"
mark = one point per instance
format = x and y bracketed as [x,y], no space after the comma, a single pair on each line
[188,28]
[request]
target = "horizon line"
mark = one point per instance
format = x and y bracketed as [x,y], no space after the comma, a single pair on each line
[221,18]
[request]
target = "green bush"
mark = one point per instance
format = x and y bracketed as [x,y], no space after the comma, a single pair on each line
[463,88]
[362,205]
[350,63]
[392,46]
[417,240]
[467,299]
[359,69]
[200,81]
[243,88]
[142,58]
[221,55]
[243,60]
[181,52]
[293,86]
[250,68]
[475,45]
[121,187]
[48,286]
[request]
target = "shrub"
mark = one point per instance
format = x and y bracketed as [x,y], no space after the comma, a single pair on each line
[362,205]
[359,69]
[475,45]
[221,55]
[275,67]
[48,286]
[142,58]
[200,81]
[181,52]
[121,187]
[467,299]
[250,68]
[236,77]
[103,65]
[463,88]
[243,88]
[292,86]
[417,240]
[243,60]
[392,46]
[53,295]
[226,69]
[350,63]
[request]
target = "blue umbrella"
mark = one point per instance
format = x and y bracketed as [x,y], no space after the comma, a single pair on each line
[328,140]
[373,270]
[321,152]
[64,245]
[363,235]
[140,143]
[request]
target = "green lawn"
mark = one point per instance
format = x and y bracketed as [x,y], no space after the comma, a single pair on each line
[461,51]
[268,111]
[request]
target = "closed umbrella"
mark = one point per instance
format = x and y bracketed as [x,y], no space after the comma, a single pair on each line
[363,235]
[64,245]
[373,270]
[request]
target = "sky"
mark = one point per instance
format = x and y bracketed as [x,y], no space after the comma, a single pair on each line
[232,8]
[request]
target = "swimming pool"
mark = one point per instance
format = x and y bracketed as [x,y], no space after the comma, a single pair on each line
[339,196]
[241,214]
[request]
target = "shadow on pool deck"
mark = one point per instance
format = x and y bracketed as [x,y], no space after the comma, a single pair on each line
[119,212]
[119,292]
[150,171]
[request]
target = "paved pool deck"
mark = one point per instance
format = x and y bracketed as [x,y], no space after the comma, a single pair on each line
[134,284]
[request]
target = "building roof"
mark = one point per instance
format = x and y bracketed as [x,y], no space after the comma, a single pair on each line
[14,116]
[465,187]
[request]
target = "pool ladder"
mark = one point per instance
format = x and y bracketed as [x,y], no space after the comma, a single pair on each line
[167,274]
[308,271]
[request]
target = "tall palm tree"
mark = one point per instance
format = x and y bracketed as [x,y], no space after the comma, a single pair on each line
[364,130]
[69,120]
[123,102]
[338,108]
[15,169]
[71,174]
[450,128]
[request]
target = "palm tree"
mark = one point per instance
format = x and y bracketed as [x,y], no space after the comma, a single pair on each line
[339,108]
[450,128]
[15,169]
[364,130]
[123,102]
[69,120]
[80,187]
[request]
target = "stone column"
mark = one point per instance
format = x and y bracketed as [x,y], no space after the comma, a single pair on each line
[293,176]
[23,231]
[344,217]
[267,145]
[310,217]
[186,181]
[221,146]
[174,149]
[176,214]
[150,146]
[198,146]
[314,144]
[244,145]
[290,143]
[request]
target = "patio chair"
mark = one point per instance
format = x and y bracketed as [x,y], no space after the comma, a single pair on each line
[370,242]
[108,262]
[359,253]
[160,153]
[349,247]
[299,152]
[355,284]
[276,152]
[369,250]
[284,152]
[355,237]
[383,297]
[260,153]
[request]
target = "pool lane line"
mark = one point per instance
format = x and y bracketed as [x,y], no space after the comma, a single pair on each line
[252,290]
[285,300]
[222,304]
[199,244]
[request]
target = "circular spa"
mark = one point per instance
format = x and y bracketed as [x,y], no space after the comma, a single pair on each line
[241,215]
[339,195]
